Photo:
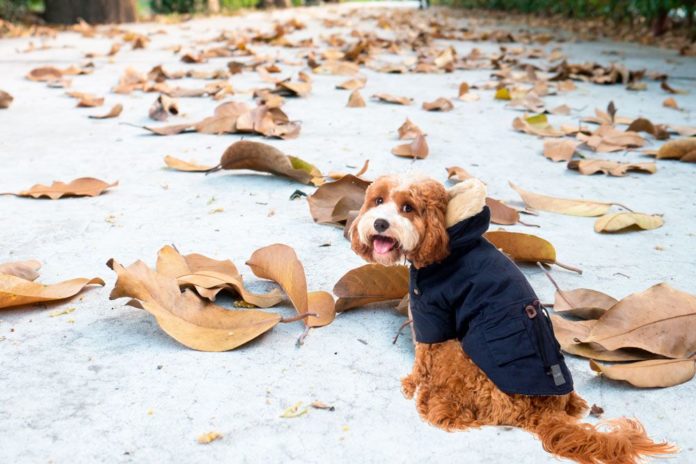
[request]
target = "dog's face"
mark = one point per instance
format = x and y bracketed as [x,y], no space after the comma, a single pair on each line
[402,217]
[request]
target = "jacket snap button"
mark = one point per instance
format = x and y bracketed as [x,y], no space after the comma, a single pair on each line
[416,291]
[531,311]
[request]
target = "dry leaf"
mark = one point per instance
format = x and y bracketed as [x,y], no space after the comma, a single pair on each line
[370,283]
[187,166]
[190,320]
[355,100]
[524,248]
[114,112]
[669,89]
[416,149]
[596,411]
[336,67]
[207,438]
[408,130]
[266,158]
[613,168]
[163,107]
[645,125]
[296,410]
[332,202]
[583,303]
[440,104]
[562,205]
[568,333]
[388,98]
[457,174]
[5,99]
[27,270]
[560,150]
[681,149]
[607,139]
[351,84]
[280,264]
[82,187]
[670,103]
[536,125]
[654,373]
[16,291]
[209,277]
[626,221]
[659,320]
[293,89]
[501,213]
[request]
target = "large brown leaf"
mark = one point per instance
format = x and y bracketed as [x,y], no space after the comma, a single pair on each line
[560,150]
[562,205]
[280,264]
[568,333]
[370,283]
[27,270]
[681,149]
[627,221]
[190,320]
[16,291]
[661,320]
[266,158]
[210,276]
[82,187]
[655,373]
[332,202]
[523,247]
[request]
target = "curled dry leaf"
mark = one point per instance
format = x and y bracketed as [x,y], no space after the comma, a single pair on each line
[82,187]
[389,98]
[613,168]
[465,95]
[659,320]
[163,107]
[210,276]
[681,149]
[416,149]
[659,131]
[355,100]
[280,264]
[440,104]
[332,202]
[626,221]
[536,125]
[188,319]
[27,270]
[337,67]
[457,174]
[560,150]
[114,112]
[17,291]
[562,205]
[583,303]
[569,333]
[501,213]
[187,166]
[258,156]
[370,283]
[5,99]
[408,130]
[89,101]
[607,139]
[654,373]
[293,89]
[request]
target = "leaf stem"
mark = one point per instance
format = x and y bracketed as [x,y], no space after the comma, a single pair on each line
[555,284]
[401,328]
[569,267]
[301,338]
[298,317]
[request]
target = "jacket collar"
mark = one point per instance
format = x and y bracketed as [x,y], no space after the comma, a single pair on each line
[469,229]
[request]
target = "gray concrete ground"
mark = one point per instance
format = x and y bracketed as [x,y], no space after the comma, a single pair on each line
[105,384]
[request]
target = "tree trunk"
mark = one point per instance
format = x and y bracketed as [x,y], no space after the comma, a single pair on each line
[92,11]
[213,6]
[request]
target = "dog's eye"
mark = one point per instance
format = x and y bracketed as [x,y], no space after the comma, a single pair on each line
[379,200]
[407,208]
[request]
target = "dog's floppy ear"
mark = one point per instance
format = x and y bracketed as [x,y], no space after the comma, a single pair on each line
[466,199]
[361,249]
[434,245]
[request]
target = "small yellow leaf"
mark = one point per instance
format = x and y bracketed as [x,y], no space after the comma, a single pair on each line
[621,222]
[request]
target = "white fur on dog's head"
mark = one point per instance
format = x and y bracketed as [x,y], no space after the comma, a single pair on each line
[466,199]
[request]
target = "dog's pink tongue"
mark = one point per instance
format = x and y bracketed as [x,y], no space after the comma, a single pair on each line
[383,245]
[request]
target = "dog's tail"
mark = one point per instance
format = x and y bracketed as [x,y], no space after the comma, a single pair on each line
[617,441]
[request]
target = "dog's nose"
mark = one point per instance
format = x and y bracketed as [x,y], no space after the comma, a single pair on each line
[381,225]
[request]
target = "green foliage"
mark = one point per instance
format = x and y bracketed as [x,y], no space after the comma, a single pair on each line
[237,4]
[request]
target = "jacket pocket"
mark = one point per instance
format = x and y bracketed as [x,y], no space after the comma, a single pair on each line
[508,340]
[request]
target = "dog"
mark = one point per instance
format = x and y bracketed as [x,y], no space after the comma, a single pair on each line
[485,349]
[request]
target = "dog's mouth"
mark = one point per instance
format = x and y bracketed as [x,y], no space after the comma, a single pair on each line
[383,245]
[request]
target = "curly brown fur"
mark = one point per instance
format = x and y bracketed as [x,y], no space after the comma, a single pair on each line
[453,393]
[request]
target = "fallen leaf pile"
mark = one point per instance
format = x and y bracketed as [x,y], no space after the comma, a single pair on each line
[649,336]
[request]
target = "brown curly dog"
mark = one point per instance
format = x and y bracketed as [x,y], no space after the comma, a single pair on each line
[410,217]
